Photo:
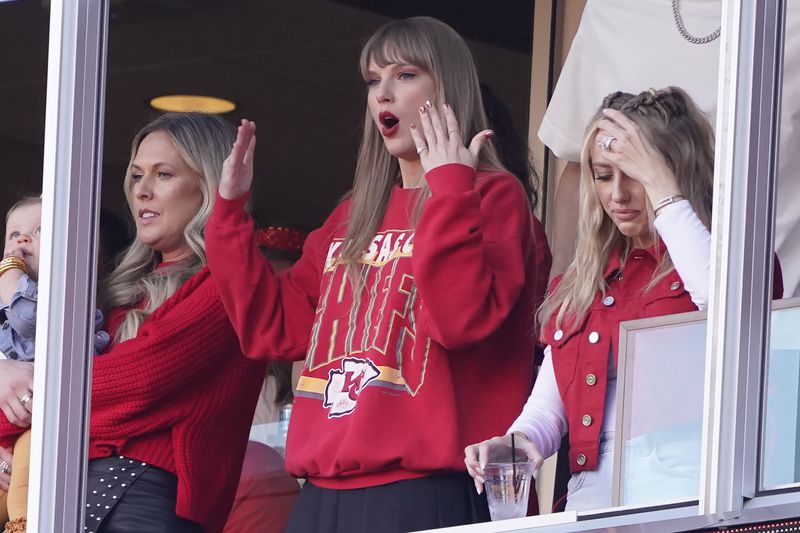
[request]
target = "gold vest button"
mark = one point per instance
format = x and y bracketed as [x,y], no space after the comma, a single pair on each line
[591,379]
[586,420]
[581,459]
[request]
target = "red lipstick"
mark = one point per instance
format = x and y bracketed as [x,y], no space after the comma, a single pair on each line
[389,123]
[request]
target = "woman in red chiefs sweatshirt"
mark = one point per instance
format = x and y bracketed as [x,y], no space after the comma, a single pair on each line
[412,305]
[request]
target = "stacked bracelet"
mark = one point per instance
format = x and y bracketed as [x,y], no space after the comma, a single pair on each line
[11,263]
[667,201]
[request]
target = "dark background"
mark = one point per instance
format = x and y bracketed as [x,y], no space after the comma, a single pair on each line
[292,66]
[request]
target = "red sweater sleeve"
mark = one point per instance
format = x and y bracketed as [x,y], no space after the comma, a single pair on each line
[471,246]
[272,315]
[9,432]
[180,343]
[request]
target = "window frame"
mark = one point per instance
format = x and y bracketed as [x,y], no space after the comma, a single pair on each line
[738,329]
[67,281]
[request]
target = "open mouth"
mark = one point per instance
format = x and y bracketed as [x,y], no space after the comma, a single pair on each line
[389,123]
[145,215]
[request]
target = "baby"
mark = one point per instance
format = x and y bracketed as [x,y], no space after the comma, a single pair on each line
[19,273]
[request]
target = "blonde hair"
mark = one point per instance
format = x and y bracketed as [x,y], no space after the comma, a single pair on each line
[203,141]
[683,135]
[435,47]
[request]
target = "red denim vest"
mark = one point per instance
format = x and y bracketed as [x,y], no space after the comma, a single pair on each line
[580,352]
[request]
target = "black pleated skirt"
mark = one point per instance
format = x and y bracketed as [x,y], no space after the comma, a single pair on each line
[410,505]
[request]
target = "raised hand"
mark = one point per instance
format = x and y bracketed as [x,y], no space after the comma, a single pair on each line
[625,146]
[237,170]
[440,143]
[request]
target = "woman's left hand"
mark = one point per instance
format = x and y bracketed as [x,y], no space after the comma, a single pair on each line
[439,143]
[5,460]
[635,156]
[16,384]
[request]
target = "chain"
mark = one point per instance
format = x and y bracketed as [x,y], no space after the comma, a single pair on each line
[685,34]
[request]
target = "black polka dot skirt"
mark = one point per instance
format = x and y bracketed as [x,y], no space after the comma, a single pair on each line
[107,482]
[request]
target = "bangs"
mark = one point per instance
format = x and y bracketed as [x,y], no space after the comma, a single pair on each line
[399,44]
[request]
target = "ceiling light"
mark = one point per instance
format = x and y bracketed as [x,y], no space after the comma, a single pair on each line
[183,103]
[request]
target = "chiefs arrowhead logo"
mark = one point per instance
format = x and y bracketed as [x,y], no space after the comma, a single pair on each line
[344,386]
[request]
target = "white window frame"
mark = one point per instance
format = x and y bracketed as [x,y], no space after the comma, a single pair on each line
[749,96]
[67,280]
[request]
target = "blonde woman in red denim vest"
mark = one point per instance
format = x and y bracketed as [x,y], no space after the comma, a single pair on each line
[643,250]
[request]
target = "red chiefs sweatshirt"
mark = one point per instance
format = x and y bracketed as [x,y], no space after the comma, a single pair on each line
[437,352]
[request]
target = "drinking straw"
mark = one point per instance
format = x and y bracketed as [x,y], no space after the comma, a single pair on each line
[513,450]
[514,465]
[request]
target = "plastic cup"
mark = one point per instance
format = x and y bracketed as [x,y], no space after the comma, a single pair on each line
[507,488]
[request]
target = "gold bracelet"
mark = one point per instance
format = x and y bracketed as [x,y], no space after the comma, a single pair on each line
[13,262]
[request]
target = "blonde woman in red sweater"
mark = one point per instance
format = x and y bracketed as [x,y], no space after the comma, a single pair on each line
[173,398]
[411,305]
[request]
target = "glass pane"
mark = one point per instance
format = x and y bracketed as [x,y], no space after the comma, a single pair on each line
[787,219]
[23,83]
[780,425]
[659,417]
[286,66]
[780,449]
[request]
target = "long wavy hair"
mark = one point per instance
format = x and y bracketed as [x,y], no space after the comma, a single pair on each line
[683,135]
[203,141]
[435,47]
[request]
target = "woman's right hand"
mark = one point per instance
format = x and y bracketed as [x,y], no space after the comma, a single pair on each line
[237,170]
[16,381]
[635,155]
[476,456]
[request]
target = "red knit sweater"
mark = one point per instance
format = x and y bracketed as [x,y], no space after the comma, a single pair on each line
[9,432]
[181,397]
[436,354]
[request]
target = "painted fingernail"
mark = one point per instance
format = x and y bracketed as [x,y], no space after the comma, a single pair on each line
[445,107]
[428,103]
[489,134]
[413,126]
[422,109]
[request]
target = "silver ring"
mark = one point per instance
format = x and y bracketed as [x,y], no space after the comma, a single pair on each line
[421,149]
[453,130]
[606,143]
[5,467]
[26,398]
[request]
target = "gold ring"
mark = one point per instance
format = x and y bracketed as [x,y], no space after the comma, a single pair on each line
[453,130]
